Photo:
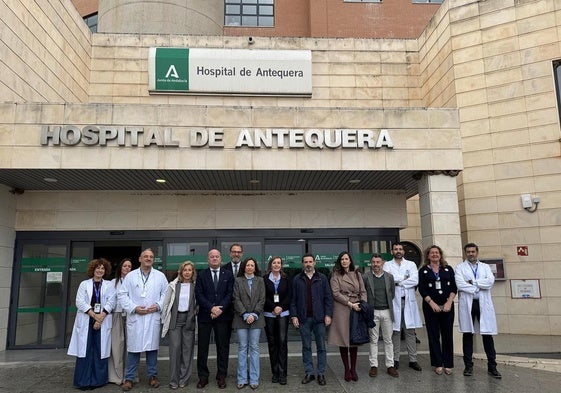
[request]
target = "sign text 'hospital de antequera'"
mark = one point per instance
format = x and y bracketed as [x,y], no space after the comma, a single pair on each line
[279,138]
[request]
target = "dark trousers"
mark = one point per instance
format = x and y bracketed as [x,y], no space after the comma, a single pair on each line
[222,332]
[488,343]
[440,325]
[277,332]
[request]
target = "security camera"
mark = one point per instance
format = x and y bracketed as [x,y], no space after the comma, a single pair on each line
[250,40]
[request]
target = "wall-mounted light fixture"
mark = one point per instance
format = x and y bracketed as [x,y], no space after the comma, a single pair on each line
[530,203]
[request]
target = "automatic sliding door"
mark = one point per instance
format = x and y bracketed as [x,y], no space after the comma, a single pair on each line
[40,293]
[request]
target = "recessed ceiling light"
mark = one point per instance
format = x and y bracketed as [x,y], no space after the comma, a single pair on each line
[354,181]
[254,181]
[160,180]
[50,179]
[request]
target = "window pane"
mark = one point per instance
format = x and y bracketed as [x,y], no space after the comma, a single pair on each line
[233,20]
[232,9]
[267,21]
[249,21]
[266,10]
[249,10]
[266,1]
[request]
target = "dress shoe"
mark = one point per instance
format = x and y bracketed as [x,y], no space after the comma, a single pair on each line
[241,385]
[282,380]
[415,366]
[153,382]
[448,371]
[468,371]
[439,370]
[373,371]
[254,386]
[308,378]
[221,382]
[321,380]
[396,364]
[354,375]
[202,383]
[173,387]
[275,378]
[127,385]
[393,372]
[492,371]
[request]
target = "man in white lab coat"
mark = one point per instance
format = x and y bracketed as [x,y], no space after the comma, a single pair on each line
[141,296]
[405,307]
[476,312]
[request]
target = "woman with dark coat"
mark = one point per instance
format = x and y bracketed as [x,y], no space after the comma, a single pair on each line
[348,290]
[278,292]
[437,287]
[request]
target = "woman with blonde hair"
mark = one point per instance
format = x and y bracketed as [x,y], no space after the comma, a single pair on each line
[437,287]
[178,318]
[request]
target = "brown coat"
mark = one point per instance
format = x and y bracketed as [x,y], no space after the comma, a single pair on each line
[345,288]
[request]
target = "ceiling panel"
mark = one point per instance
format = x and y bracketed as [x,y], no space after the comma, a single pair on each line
[207,180]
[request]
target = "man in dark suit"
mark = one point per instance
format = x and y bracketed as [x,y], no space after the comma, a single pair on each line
[236,254]
[213,291]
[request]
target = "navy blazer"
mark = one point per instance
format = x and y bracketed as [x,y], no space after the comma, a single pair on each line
[207,297]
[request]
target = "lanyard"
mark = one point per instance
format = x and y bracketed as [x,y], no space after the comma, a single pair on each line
[275,282]
[475,270]
[144,278]
[97,291]
[436,275]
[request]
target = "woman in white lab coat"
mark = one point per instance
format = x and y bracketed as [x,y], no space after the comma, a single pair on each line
[91,334]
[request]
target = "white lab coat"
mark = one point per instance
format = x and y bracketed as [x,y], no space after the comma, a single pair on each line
[143,331]
[481,284]
[79,340]
[405,287]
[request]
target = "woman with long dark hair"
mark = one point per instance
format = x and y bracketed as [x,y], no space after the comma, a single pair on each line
[348,291]
[278,293]
[249,299]
[119,328]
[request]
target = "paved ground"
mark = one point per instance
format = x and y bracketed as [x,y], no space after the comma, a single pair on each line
[51,371]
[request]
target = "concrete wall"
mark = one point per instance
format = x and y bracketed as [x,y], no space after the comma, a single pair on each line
[45,52]
[212,210]
[161,17]
[7,240]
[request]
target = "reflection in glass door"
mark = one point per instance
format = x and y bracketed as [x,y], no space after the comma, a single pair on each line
[290,251]
[80,257]
[40,297]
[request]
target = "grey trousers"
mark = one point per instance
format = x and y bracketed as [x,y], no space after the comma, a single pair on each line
[181,352]
[409,339]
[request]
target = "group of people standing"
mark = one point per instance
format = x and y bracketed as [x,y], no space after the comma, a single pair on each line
[118,320]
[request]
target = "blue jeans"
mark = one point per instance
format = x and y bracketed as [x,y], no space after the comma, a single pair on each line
[248,339]
[306,330]
[132,364]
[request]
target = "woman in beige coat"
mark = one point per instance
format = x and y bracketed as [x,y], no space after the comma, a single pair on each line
[348,290]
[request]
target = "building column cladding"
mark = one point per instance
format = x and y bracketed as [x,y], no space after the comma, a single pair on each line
[7,241]
[440,219]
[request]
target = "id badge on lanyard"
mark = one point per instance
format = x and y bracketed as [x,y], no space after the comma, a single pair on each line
[97,308]
[276,298]
[438,285]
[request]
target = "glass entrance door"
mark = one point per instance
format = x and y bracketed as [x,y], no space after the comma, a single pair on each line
[39,295]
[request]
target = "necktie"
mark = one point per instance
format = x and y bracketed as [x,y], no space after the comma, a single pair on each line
[235,269]
[215,279]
